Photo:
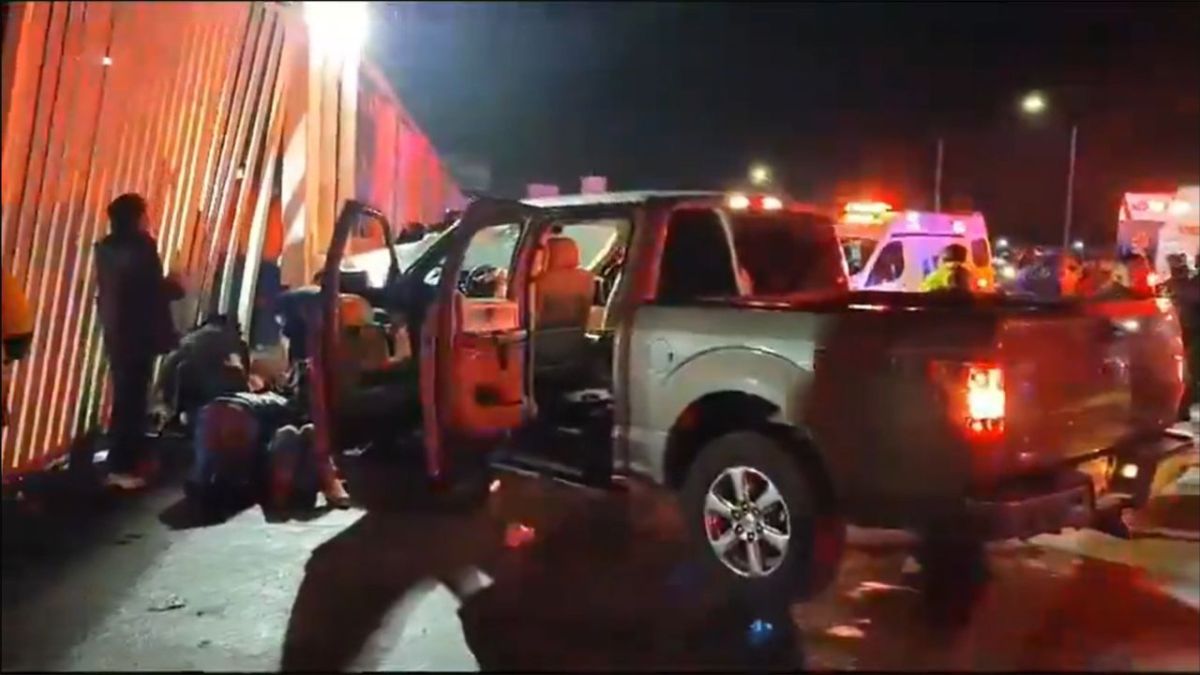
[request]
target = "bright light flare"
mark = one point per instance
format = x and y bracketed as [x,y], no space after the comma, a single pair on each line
[1077,245]
[772,203]
[958,227]
[738,202]
[1034,103]
[1002,242]
[1180,207]
[859,219]
[336,29]
[1157,205]
[875,208]
[760,174]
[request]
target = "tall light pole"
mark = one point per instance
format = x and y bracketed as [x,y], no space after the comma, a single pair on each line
[1034,104]
[937,175]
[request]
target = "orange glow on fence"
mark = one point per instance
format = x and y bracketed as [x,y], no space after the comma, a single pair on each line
[109,98]
[195,106]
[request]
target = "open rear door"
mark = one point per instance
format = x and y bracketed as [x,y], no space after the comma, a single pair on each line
[354,215]
[474,342]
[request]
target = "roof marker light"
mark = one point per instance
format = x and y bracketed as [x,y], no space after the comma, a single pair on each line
[1180,207]
[959,227]
[739,202]
[1157,205]
[772,203]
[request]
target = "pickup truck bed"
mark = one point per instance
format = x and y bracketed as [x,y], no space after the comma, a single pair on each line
[876,381]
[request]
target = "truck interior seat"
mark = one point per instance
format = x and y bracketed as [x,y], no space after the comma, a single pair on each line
[563,295]
[371,383]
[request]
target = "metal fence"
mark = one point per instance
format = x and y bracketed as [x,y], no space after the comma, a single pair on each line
[170,100]
[241,139]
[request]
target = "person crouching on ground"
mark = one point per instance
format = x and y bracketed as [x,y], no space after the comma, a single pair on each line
[134,307]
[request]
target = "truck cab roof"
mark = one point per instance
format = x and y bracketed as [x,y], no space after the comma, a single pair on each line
[606,198]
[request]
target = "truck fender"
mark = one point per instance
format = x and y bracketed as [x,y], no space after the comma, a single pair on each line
[748,370]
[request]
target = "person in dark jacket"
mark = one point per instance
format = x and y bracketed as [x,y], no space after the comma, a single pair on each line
[133,301]
[210,361]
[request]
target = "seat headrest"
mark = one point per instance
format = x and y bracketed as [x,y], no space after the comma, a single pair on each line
[561,253]
[354,310]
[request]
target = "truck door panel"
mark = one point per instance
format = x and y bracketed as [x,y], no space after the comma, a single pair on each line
[473,354]
[488,366]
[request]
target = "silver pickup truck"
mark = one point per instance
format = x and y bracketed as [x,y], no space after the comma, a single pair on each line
[710,344]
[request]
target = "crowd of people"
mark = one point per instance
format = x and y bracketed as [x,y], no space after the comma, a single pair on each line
[1063,275]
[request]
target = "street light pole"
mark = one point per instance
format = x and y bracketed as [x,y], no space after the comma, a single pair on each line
[1070,186]
[937,176]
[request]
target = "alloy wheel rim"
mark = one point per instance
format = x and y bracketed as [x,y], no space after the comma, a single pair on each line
[746,521]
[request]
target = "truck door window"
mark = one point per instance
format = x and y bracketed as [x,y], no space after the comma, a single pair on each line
[889,266]
[696,260]
[487,260]
[595,239]
[787,253]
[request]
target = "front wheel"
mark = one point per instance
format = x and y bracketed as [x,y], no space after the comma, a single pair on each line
[753,518]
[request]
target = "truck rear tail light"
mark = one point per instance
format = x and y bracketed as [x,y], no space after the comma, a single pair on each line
[985,398]
[974,396]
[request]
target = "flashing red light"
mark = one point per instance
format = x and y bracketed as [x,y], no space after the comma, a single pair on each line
[517,535]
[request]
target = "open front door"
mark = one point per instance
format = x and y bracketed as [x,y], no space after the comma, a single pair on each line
[474,341]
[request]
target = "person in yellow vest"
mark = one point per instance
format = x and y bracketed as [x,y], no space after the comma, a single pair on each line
[17,318]
[951,273]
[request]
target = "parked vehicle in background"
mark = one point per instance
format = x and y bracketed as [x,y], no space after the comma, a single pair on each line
[1160,224]
[658,336]
[895,251]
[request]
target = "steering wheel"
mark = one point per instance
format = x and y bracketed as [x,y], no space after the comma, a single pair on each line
[479,282]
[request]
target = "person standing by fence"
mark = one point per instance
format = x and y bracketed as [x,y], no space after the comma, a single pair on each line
[134,306]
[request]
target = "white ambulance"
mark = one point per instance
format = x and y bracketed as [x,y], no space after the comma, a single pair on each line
[890,250]
[1158,224]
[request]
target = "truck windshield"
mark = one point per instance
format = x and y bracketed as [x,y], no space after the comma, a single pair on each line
[788,253]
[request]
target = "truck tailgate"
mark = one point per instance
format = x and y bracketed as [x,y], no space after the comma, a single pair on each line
[1087,381]
[1060,404]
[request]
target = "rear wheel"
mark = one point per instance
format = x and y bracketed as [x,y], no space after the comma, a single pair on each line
[753,518]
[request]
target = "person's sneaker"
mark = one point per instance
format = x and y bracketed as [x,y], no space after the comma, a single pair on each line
[124,481]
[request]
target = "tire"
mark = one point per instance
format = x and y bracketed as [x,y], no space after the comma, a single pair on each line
[808,560]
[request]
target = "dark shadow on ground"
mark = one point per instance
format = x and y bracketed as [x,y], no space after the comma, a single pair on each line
[63,519]
[592,588]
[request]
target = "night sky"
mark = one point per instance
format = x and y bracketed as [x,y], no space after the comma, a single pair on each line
[841,100]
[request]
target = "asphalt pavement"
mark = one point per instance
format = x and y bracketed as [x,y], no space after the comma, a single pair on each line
[551,577]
